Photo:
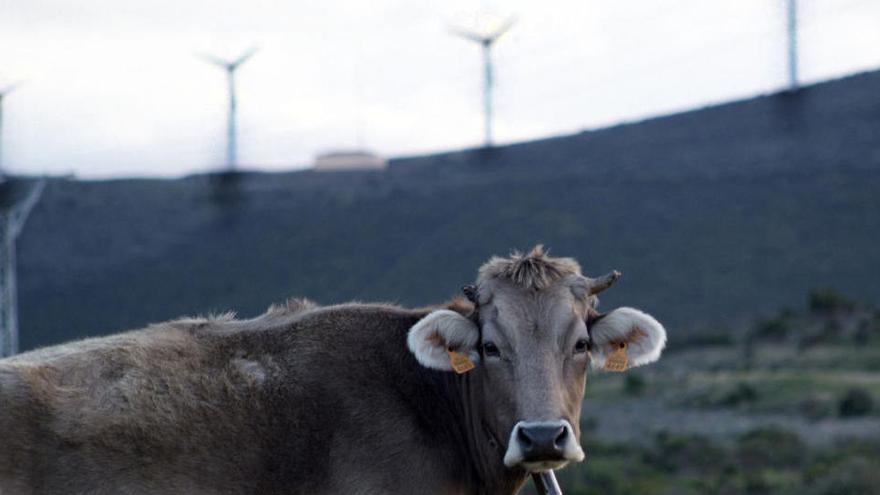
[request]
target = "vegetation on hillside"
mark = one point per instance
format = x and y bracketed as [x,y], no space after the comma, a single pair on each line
[761,462]
[791,406]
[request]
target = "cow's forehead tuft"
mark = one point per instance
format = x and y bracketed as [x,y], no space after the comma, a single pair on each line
[535,270]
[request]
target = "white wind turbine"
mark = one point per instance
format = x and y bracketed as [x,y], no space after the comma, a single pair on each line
[230,66]
[17,198]
[486,41]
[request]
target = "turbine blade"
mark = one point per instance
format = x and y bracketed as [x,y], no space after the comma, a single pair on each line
[468,35]
[508,23]
[10,88]
[211,59]
[245,56]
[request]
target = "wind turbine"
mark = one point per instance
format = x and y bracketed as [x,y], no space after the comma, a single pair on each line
[230,66]
[3,93]
[17,199]
[486,41]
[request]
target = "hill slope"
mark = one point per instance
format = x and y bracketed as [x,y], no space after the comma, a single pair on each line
[714,215]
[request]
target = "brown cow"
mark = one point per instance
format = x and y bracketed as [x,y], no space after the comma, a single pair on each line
[355,398]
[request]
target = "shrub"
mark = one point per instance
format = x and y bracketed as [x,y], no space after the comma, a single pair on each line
[708,338]
[742,393]
[590,423]
[856,402]
[829,301]
[673,453]
[855,476]
[773,329]
[767,448]
[634,384]
[818,405]
[769,481]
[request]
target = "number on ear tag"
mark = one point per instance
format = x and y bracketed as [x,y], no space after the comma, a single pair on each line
[618,361]
[460,363]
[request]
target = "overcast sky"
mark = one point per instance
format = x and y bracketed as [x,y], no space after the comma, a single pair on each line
[113,87]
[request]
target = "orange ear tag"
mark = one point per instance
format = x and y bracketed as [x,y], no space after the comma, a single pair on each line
[618,361]
[460,363]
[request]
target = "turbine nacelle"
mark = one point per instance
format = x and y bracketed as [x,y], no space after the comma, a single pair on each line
[229,65]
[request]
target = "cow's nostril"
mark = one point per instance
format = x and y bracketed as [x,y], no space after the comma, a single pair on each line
[561,437]
[523,438]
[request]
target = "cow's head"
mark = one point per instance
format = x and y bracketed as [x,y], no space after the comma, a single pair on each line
[533,334]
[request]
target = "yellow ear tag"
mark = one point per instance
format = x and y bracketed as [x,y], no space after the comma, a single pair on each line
[618,361]
[460,363]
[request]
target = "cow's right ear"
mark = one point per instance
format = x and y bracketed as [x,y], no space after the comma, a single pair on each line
[441,331]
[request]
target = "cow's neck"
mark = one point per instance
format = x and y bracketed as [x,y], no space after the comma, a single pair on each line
[481,449]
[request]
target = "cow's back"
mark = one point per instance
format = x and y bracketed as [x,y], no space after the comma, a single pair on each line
[171,408]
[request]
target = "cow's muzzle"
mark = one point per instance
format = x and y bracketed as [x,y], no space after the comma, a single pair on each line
[542,445]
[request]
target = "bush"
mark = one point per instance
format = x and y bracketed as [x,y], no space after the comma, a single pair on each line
[829,301]
[769,481]
[855,476]
[742,393]
[856,402]
[767,448]
[708,338]
[818,405]
[672,453]
[634,384]
[589,424]
[773,329]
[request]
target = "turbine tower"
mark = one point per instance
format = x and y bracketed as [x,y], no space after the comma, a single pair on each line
[230,66]
[486,41]
[791,18]
[17,198]
[3,93]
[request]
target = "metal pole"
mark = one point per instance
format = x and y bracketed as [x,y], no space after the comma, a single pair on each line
[8,322]
[231,145]
[487,93]
[2,174]
[792,46]
[11,285]
[12,219]
[546,483]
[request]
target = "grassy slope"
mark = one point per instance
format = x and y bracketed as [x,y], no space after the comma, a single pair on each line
[691,429]
[713,215]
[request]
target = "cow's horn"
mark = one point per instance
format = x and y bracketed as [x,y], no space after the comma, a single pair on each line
[597,285]
[470,292]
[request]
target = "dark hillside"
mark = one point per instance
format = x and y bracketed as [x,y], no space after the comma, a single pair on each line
[716,215]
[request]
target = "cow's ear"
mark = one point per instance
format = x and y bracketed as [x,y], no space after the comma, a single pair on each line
[640,336]
[441,331]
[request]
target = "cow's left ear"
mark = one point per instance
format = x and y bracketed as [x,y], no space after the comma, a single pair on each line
[441,331]
[643,336]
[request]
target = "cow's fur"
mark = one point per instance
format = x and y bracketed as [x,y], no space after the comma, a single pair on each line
[299,400]
[535,270]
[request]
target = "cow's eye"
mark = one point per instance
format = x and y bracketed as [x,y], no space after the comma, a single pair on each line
[491,350]
[581,346]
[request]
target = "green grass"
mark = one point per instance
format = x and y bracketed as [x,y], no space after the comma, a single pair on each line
[782,379]
[765,461]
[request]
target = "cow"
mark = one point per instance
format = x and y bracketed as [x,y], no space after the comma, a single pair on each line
[467,397]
